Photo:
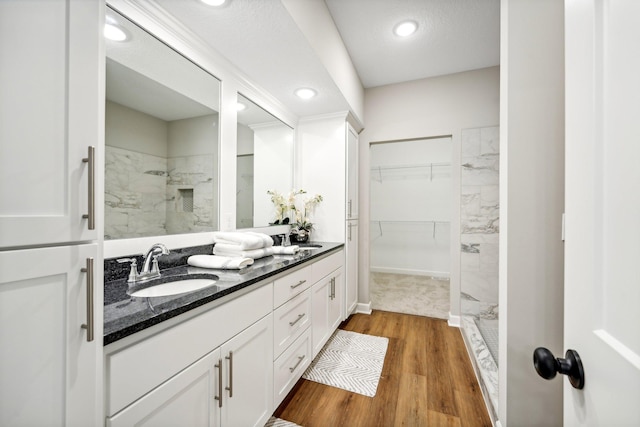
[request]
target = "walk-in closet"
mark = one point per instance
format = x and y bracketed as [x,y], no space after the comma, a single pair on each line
[411,200]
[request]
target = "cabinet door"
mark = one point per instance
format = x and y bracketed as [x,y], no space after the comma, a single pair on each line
[48,370]
[248,376]
[188,399]
[320,296]
[352,173]
[49,116]
[351,267]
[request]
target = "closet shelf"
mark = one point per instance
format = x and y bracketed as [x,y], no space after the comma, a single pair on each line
[414,226]
[415,171]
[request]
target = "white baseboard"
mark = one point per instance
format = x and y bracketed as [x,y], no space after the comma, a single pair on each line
[413,272]
[454,321]
[363,308]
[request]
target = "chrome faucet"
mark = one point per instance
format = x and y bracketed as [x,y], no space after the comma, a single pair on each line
[150,269]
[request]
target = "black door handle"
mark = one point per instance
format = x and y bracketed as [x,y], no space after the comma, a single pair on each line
[547,365]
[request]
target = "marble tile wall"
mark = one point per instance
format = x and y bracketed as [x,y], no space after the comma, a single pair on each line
[190,172]
[142,197]
[479,221]
[135,201]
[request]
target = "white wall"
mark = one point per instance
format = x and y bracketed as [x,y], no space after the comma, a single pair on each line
[133,130]
[531,205]
[429,107]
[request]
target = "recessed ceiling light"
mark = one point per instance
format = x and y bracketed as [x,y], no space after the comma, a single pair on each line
[115,33]
[214,2]
[305,93]
[240,106]
[405,28]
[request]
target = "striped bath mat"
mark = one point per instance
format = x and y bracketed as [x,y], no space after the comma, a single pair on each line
[277,422]
[350,361]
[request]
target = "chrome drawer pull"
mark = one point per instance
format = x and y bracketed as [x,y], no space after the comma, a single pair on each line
[219,396]
[91,160]
[300,316]
[230,387]
[300,283]
[89,325]
[300,359]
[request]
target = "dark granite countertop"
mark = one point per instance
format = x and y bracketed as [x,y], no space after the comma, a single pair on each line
[125,315]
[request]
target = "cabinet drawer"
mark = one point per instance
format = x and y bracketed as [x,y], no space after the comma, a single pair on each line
[327,265]
[134,371]
[290,320]
[291,285]
[289,367]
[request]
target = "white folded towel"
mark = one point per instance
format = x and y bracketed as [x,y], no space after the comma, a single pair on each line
[245,239]
[251,253]
[286,250]
[219,262]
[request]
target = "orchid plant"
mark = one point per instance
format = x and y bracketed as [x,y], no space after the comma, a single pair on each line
[291,209]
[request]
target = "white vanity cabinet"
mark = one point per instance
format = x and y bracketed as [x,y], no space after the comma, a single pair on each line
[327,298]
[329,156]
[292,334]
[50,263]
[49,117]
[219,362]
[227,387]
[49,371]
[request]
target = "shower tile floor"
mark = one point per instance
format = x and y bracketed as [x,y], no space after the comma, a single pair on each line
[410,294]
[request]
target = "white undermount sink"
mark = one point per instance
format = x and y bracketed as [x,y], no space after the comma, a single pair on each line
[176,287]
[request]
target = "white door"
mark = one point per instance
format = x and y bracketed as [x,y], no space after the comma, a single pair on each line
[351,267]
[602,277]
[49,373]
[49,116]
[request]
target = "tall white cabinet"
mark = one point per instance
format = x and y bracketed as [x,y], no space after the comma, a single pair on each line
[329,166]
[50,262]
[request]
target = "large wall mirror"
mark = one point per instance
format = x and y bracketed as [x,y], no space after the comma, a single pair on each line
[265,162]
[161,137]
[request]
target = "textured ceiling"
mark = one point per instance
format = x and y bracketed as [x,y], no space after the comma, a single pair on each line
[452,36]
[262,40]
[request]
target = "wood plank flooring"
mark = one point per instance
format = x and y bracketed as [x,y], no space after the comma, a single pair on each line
[427,380]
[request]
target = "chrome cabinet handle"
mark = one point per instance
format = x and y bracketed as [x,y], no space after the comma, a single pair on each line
[91,160]
[350,225]
[349,208]
[332,293]
[219,396]
[300,283]
[300,359]
[230,386]
[300,316]
[89,325]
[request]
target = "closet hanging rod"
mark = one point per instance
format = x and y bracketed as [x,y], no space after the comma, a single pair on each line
[414,166]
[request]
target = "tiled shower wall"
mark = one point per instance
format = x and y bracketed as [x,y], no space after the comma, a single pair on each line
[142,197]
[479,217]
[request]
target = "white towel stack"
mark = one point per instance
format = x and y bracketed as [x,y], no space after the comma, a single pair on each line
[242,244]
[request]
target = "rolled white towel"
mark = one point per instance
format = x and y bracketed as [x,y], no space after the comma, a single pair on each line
[245,240]
[251,253]
[286,250]
[219,262]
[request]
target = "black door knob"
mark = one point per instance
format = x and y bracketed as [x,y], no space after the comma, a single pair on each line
[547,365]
